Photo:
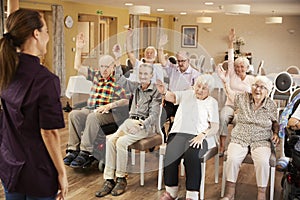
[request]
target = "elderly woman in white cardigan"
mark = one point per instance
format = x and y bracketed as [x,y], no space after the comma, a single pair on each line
[194,132]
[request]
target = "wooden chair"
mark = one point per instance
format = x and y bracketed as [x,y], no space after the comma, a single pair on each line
[213,152]
[145,144]
[248,160]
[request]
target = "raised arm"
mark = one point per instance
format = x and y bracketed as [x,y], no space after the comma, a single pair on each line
[161,57]
[129,48]
[231,38]
[229,92]
[80,42]
[167,95]
[117,51]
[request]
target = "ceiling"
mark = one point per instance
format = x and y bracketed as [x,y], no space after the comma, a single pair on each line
[174,7]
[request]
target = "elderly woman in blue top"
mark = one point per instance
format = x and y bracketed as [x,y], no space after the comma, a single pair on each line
[256,127]
[193,133]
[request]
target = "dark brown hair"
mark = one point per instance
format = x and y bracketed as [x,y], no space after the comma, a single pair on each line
[20,26]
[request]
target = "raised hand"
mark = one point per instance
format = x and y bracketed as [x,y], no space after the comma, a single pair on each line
[80,41]
[221,73]
[160,86]
[117,51]
[231,36]
[163,40]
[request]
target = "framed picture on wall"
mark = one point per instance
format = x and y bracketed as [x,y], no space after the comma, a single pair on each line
[189,36]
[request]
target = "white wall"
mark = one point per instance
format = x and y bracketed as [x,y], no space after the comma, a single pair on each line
[271,43]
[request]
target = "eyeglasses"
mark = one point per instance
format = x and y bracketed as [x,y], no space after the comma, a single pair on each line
[255,86]
[179,61]
[105,66]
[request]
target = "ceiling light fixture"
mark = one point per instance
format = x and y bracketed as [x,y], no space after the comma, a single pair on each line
[160,9]
[273,19]
[237,9]
[128,4]
[182,13]
[209,3]
[139,10]
[204,20]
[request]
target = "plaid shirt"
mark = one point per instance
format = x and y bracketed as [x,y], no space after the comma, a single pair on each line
[103,91]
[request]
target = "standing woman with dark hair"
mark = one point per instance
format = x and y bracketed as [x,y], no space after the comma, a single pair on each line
[31,164]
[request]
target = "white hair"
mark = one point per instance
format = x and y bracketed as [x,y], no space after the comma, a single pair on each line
[266,81]
[206,79]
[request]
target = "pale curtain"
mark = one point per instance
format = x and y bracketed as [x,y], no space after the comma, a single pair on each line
[1,18]
[58,46]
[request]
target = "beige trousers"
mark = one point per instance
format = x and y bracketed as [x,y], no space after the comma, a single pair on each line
[116,155]
[260,157]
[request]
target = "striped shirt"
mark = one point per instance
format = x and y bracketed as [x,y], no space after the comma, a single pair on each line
[103,91]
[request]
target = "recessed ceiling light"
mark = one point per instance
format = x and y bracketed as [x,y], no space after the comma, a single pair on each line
[209,3]
[128,4]
[160,9]
[183,13]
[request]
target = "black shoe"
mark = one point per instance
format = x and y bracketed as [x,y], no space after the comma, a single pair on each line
[83,160]
[108,186]
[71,155]
[67,108]
[120,187]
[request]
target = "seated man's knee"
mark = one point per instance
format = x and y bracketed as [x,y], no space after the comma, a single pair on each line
[92,119]
[73,114]
[122,143]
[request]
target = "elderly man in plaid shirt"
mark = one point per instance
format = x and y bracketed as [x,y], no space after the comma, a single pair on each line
[84,124]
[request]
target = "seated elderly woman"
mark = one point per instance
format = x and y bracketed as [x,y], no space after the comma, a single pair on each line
[239,82]
[256,127]
[193,133]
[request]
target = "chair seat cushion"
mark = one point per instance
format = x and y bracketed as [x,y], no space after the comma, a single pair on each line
[209,154]
[146,143]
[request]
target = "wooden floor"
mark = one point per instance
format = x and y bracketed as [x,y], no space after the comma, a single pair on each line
[84,183]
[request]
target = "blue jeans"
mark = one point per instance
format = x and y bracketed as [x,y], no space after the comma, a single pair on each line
[20,196]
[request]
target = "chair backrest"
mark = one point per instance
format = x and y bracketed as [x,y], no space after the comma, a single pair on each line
[260,69]
[173,60]
[283,82]
[295,92]
[283,86]
[193,60]
[293,70]
[200,63]
[128,63]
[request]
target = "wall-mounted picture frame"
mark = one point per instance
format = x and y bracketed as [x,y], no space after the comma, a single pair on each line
[189,36]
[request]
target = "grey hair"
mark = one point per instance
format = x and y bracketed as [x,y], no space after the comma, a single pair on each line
[206,79]
[184,54]
[106,60]
[243,60]
[266,81]
[147,65]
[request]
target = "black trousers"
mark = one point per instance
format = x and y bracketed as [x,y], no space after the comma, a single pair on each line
[178,148]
